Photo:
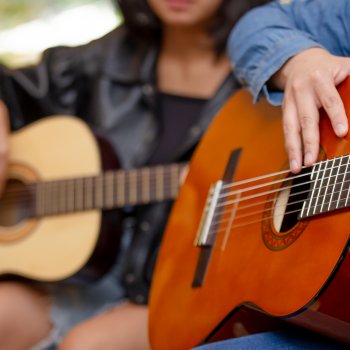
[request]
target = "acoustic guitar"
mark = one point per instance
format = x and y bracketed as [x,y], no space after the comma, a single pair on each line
[55,213]
[246,232]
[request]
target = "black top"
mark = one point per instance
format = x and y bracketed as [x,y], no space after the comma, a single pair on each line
[111,84]
[176,115]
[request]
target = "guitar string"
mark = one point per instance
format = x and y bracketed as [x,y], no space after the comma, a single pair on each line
[16,195]
[274,182]
[51,184]
[228,211]
[275,174]
[247,223]
[241,199]
[273,199]
[167,176]
[237,208]
[230,185]
[234,201]
[289,179]
[153,173]
[55,210]
[225,186]
[214,224]
[105,188]
[259,212]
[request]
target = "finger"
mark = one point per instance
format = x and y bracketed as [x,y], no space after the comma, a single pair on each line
[333,105]
[291,129]
[308,116]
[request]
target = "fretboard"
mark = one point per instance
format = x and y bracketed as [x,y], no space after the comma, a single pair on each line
[329,187]
[112,189]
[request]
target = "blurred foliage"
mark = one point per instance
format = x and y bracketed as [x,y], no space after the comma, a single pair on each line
[36,15]
[13,12]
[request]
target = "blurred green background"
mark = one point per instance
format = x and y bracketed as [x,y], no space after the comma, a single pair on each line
[27,27]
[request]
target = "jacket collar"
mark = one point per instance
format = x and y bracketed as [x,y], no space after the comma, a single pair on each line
[127,61]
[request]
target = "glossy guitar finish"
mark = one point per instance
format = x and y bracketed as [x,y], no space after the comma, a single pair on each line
[251,262]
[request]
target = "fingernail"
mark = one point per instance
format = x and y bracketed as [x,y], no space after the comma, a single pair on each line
[293,165]
[340,129]
[308,158]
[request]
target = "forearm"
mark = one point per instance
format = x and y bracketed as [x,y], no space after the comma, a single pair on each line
[267,37]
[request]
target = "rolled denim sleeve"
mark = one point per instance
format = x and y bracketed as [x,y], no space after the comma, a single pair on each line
[266,37]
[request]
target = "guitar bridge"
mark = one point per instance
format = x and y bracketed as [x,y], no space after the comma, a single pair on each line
[205,233]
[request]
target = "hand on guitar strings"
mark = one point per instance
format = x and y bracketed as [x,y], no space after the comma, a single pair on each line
[309,80]
[4,143]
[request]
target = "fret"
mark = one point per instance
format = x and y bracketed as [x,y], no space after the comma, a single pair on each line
[49,198]
[342,180]
[159,183]
[89,195]
[54,198]
[62,197]
[70,195]
[46,199]
[132,188]
[308,203]
[39,199]
[335,193]
[347,185]
[166,182]
[320,183]
[109,189]
[120,182]
[330,187]
[79,195]
[44,203]
[98,192]
[146,184]
[174,180]
[326,186]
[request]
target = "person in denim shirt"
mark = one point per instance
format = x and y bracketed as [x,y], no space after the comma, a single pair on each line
[299,47]
[294,53]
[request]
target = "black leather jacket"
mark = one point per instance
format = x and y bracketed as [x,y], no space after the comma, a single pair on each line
[111,84]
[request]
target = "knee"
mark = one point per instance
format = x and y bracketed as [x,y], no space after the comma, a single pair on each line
[78,339]
[23,319]
[70,342]
[10,296]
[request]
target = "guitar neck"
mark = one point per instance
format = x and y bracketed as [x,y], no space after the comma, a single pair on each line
[329,187]
[112,189]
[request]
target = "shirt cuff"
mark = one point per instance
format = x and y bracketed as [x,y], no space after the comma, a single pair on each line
[273,61]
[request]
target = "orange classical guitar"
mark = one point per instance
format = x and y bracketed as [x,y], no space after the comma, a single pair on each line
[245,231]
[55,213]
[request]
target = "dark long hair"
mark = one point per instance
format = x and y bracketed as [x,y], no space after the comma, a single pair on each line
[143,24]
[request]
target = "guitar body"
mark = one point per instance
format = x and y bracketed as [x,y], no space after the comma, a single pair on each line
[56,247]
[301,273]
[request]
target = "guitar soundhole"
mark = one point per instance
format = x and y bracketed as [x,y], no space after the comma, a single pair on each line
[290,200]
[15,203]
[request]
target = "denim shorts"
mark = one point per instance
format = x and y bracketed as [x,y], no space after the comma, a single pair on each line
[292,339]
[75,303]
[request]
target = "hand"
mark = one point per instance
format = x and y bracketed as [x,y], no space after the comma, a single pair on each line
[4,143]
[309,80]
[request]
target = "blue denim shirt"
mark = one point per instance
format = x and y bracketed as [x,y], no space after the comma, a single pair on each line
[266,37]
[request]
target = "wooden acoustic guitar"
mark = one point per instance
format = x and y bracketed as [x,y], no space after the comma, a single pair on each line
[245,231]
[55,217]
